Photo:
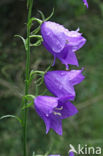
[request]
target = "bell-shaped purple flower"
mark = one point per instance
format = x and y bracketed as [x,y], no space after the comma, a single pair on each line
[85,3]
[61,42]
[53,111]
[61,83]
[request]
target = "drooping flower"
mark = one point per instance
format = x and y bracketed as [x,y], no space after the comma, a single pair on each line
[61,42]
[85,3]
[53,111]
[61,83]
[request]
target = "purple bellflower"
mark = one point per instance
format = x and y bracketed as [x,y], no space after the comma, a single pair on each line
[61,42]
[61,83]
[85,3]
[53,111]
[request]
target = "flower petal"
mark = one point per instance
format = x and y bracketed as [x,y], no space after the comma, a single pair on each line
[75,40]
[46,104]
[58,84]
[75,76]
[71,154]
[56,124]
[67,56]
[85,3]
[68,109]
[53,36]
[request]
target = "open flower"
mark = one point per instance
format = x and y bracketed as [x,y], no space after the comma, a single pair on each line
[53,111]
[61,83]
[85,3]
[61,42]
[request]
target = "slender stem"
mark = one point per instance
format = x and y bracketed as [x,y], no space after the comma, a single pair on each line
[27,78]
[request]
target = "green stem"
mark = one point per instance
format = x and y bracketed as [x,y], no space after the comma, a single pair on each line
[27,78]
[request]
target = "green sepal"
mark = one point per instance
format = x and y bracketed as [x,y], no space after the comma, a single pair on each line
[35,19]
[40,81]
[50,15]
[42,15]
[38,43]
[29,97]
[40,39]
[41,73]
[36,30]
[28,105]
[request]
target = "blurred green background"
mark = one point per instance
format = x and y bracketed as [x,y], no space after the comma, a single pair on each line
[86,128]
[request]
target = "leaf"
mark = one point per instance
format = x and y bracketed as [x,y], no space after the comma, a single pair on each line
[38,42]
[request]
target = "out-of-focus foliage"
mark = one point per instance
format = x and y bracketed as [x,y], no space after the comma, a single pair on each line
[86,127]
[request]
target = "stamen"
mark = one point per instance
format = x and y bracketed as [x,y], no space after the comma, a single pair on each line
[57,113]
[61,108]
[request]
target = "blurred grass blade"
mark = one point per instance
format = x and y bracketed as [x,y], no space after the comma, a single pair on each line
[11,116]
[21,39]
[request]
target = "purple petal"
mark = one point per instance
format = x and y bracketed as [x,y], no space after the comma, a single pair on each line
[71,154]
[45,119]
[56,124]
[85,3]
[46,104]
[58,84]
[68,109]
[76,40]
[67,56]
[53,36]
[75,76]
